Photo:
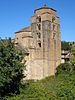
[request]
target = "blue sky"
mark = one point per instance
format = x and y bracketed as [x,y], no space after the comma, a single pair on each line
[16,14]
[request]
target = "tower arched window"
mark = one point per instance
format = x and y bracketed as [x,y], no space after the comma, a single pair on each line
[39,19]
[53,19]
[39,26]
[39,35]
[39,43]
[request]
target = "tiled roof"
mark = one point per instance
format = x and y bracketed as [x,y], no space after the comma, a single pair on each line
[45,7]
[26,29]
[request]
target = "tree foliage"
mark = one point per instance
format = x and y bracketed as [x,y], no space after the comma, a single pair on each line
[73,50]
[58,87]
[66,68]
[61,87]
[72,59]
[11,68]
[65,45]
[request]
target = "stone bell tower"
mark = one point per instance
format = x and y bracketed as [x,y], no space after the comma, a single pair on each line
[44,43]
[46,40]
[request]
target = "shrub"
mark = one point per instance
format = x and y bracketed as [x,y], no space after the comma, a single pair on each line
[11,71]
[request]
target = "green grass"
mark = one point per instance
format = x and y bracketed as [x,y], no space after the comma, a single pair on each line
[61,87]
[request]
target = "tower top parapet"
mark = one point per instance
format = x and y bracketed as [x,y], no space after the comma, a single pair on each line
[44,7]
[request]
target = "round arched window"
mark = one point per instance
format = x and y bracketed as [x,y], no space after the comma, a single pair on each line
[53,19]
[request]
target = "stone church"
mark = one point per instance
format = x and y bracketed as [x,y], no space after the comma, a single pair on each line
[42,40]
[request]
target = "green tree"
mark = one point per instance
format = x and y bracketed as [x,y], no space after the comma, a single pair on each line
[66,68]
[11,68]
[65,45]
[72,59]
[73,51]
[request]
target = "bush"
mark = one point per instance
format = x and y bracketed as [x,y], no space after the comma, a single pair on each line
[11,71]
[66,68]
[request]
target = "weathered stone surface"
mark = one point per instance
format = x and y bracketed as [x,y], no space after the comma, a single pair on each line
[43,43]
